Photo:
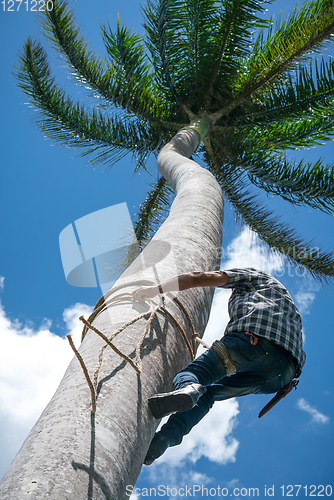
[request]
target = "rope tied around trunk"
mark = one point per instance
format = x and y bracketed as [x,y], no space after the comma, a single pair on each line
[106,301]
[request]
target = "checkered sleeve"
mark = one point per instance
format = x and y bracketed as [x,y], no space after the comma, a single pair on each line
[242,277]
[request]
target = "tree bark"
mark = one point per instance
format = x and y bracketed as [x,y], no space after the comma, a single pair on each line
[74,454]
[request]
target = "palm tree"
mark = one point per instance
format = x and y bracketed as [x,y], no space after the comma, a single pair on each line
[199,80]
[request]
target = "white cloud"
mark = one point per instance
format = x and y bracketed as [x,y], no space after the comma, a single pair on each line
[32,363]
[218,318]
[305,296]
[304,300]
[246,250]
[2,282]
[167,475]
[195,477]
[178,479]
[233,483]
[317,417]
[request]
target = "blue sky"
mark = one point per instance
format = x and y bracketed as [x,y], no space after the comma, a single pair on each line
[45,187]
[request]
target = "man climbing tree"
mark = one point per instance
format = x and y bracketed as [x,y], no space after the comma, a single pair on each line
[198,81]
[260,353]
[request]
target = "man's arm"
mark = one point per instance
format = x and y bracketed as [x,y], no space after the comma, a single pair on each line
[181,282]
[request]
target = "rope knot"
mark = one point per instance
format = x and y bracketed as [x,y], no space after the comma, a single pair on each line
[106,302]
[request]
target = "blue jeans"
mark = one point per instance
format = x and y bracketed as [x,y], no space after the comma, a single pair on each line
[263,368]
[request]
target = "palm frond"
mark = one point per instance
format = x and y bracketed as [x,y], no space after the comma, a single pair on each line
[306,131]
[134,73]
[277,235]
[300,183]
[109,80]
[109,137]
[306,30]
[236,22]
[162,28]
[195,44]
[153,211]
[298,113]
[193,50]
[297,182]
[301,94]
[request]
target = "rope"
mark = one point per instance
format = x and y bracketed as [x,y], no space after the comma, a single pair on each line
[83,366]
[224,355]
[103,303]
[114,348]
[194,336]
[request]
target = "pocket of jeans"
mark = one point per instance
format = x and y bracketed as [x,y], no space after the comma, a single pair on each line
[286,372]
[242,351]
[289,372]
[273,384]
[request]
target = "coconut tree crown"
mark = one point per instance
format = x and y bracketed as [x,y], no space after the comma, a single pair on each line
[250,90]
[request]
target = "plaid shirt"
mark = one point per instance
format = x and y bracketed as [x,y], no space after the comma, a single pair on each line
[261,304]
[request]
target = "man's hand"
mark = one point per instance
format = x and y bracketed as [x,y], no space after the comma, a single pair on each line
[145,292]
[182,282]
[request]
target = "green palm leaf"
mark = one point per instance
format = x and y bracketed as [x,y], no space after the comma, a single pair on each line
[162,27]
[305,30]
[277,235]
[272,57]
[69,123]
[232,44]
[297,182]
[309,91]
[125,81]
[305,132]
[153,211]
[197,44]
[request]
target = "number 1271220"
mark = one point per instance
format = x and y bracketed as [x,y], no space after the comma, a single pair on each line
[27,5]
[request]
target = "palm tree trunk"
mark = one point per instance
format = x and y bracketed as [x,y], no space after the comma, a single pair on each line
[73,454]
